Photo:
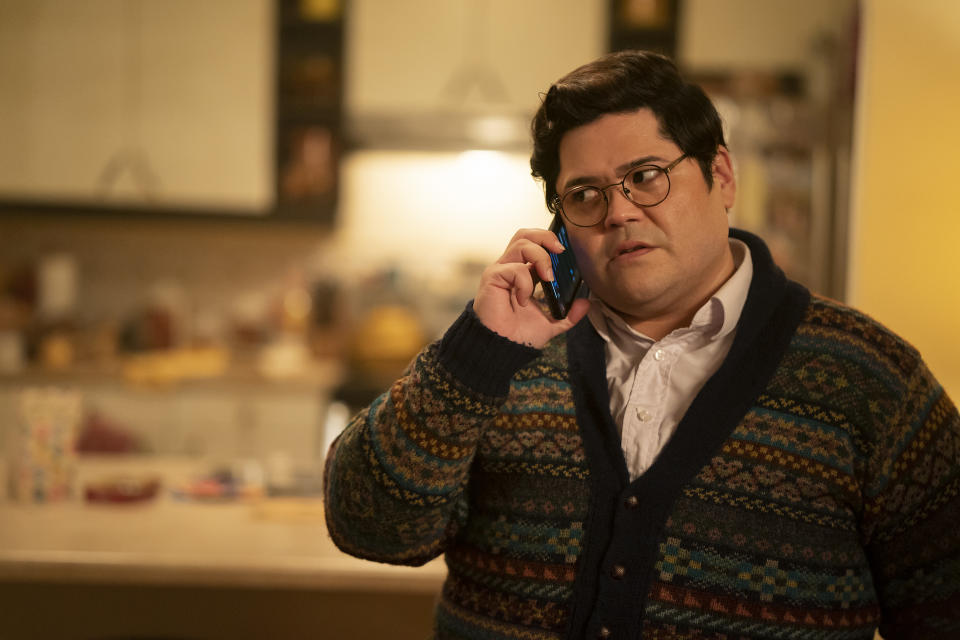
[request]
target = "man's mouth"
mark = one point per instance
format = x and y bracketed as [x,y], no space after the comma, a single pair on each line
[630,247]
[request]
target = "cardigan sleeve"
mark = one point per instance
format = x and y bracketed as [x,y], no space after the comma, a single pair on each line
[395,480]
[912,514]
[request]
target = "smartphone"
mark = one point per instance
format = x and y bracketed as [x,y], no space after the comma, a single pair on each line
[567,283]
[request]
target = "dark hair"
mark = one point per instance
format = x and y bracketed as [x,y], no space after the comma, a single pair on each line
[620,82]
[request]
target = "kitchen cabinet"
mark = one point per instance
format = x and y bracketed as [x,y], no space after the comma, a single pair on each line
[54,611]
[137,102]
[170,106]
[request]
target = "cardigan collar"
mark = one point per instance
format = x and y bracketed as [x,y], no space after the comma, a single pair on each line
[774,308]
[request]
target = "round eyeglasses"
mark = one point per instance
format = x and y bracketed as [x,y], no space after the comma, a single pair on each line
[645,185]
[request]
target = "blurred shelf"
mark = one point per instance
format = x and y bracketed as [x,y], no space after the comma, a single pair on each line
[320,376]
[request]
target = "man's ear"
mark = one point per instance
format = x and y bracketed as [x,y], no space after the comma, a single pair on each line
[723,177]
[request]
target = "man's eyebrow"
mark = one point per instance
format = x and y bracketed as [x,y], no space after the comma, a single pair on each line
[622,169]
[579,181]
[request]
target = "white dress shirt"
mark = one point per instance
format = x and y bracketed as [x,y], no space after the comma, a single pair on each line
[652,384]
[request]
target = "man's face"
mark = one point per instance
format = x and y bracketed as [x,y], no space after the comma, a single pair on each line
[652,264]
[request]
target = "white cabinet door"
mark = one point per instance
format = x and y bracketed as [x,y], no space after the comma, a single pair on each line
[158,102]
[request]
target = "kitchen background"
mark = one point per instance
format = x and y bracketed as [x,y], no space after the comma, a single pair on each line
[224,225]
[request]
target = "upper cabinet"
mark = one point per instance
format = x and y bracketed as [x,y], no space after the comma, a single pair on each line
[169,105]
[460,74]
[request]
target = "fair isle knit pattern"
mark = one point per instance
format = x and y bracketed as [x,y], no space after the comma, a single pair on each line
[812,491]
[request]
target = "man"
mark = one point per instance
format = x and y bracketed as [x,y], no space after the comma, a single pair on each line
[701,450]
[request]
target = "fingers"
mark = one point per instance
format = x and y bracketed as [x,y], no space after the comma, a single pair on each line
[539,236]
[576,313]
[513,277]
[533,247]
[506,289]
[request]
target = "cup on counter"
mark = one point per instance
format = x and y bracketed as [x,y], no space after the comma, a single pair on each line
[43,459]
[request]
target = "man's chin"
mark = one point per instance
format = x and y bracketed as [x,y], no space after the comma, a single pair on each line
[634,299]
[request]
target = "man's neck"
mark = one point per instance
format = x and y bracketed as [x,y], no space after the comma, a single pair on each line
[662,325]
[661,322]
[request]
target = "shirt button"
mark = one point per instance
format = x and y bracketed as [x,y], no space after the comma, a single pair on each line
[603,633]
[632,502]
[659,355]
[643,415]
[618,571]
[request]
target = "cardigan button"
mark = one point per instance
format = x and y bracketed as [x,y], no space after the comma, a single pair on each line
[618,571]
[603,633]
[632,502]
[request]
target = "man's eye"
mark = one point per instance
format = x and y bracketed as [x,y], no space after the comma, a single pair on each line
[585,196]
[643,175]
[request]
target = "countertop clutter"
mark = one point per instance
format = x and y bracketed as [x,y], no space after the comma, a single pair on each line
[166,539]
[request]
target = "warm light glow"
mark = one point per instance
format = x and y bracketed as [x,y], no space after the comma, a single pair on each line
[496,130]
[906,217]
[431,209]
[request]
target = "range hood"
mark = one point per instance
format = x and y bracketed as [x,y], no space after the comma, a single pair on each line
[444,129]
[466,106]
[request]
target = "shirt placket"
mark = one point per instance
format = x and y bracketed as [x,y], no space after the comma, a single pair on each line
[645,407]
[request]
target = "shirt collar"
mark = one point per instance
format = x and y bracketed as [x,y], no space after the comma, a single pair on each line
[715,319]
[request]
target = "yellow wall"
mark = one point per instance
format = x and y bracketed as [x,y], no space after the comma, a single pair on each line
[905,238]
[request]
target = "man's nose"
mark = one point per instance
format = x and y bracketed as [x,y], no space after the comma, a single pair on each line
[620,208]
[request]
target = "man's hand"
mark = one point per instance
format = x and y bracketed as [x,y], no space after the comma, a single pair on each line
[504,301]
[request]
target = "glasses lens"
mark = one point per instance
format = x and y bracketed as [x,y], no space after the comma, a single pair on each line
[584,206]
[646,185]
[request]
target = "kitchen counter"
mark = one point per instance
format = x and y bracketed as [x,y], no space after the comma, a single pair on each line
[264,542]
[172,543]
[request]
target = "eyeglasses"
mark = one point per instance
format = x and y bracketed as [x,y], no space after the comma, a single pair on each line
[646,185]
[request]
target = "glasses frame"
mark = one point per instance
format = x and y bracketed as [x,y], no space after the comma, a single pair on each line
[559,198]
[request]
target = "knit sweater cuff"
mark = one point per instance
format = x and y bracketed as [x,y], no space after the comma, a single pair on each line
[480,358]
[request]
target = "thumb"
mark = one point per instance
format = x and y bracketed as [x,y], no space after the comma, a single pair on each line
[577,311]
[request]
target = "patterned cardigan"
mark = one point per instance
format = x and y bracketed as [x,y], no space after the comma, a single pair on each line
[812,490]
